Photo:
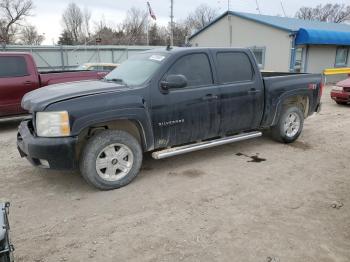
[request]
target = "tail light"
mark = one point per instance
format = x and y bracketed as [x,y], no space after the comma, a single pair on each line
[321,89]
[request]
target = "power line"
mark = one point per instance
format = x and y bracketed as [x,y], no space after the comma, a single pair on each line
[257,6]
[235,5]
[284,12]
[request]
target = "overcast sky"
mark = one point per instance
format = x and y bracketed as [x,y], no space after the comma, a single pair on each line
[47,13]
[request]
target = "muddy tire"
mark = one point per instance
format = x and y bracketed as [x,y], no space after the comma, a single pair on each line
[111,159]
[289,125]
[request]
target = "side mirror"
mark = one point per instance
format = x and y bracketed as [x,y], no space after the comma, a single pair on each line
[173,81]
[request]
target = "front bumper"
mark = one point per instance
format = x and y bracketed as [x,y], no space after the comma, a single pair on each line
[340,96]
[55,153]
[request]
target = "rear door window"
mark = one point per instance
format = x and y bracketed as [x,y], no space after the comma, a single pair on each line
[234,67]
[195,67]
[13,66]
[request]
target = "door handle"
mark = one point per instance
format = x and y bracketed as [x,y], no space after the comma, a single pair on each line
[209,97]
[253,91]
[28,82]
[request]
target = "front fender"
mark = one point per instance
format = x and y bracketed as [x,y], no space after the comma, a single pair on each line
[139,115]
[91,110]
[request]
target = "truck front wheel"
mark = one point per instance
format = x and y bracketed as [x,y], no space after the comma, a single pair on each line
[111,159]
[289,126]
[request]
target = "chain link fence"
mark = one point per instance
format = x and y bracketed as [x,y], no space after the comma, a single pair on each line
[49,58]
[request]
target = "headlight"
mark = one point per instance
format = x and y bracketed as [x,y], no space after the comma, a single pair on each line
[52,124]
[337,88]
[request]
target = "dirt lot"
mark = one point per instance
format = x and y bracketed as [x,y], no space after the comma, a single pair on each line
[213,205]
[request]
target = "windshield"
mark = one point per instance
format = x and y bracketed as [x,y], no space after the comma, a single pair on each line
[138,69]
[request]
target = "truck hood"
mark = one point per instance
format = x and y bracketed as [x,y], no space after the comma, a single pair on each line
[39,99]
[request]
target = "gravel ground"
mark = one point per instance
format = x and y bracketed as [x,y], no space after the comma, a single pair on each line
[220,204]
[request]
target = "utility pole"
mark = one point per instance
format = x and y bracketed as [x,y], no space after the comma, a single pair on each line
[171,22]
[228,5]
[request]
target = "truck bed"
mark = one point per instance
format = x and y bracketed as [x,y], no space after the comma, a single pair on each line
[60,71]
[278,85]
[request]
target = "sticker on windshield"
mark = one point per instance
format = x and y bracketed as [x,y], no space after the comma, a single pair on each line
[158,58]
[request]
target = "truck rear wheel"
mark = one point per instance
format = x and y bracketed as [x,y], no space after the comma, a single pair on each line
[289,126]
[111,159]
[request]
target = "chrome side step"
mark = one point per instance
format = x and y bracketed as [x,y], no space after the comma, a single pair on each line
[202,145]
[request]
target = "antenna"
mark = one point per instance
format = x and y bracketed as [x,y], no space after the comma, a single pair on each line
[284,12]
[257,6]
[171,22]
[228,5]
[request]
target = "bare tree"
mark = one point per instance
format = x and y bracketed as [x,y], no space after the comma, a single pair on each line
[158,35]
[134,26]
[201,16]
[65,38]
[86,22]
[73,20]
[336,13]
[180,32]
[30,36]
[104,32]
[13,12]
[7,36]
[305,13]
[132,31]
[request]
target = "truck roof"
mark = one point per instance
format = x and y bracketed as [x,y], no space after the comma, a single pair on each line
[188,49]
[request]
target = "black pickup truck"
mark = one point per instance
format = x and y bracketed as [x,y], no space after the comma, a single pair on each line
[169,101]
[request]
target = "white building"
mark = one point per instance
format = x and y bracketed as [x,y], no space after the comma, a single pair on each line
[280,43]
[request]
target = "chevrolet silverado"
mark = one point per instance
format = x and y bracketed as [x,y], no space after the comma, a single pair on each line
[169,101]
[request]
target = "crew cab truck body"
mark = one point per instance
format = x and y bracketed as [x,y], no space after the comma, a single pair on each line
[19,75]
[167,101]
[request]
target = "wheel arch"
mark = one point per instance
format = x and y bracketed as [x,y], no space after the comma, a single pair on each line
[300,100]
[132,126]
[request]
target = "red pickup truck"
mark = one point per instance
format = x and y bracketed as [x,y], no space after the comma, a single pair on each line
[19,75]
[341,92]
